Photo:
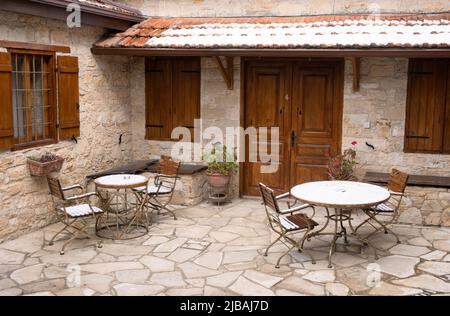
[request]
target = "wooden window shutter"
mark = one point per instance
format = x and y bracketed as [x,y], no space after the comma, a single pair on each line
[186,93]
[68,97]
[158,98]
[6,117]
[425,105]
[447,114]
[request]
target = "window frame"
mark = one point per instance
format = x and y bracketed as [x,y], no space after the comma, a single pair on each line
[52,98]
[445,147]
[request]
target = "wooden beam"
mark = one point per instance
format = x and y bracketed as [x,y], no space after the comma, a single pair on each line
[33,46]
[356,66]
[226,71]
[250,52]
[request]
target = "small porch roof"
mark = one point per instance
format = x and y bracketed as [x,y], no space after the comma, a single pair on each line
[240,36]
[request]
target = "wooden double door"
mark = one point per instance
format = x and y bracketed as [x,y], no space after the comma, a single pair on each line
[304,99]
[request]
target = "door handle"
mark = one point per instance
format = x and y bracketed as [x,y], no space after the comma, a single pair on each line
[293,137]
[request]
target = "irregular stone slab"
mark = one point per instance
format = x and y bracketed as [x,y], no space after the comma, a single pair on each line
[446,258]
[54,285]
[354,277]
[194,231]
[5,268]
[239,256]
[263,279]
[321,276]
[345,260]
[436,268]
[28,243]
[133,276]
[76,291]
[10,257]
[420,241]
[156,264]
[246,241]
[125,250]
[108,267]
[223,280]
[103,257]
[14,291]
[284,292]
[155,240]
[44,293]
[425,282]
[434,255]
[98,282]
[55,272]
[223,236]
[128,289]
[211,260]
[170,245]
[213,291]
[192,270]
[300,285]
[241,266]
[76,256]
[6,284]
[183,254]
[245,287]
[443,245]
[336,289]
[168,279]
[432,234]
[399,266]
[236,211]
[196,282]
[28,274]
[387,289]
[239,230]
[409,250]
[185,292]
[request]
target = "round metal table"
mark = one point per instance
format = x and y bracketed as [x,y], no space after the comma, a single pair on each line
[343,197]
[124,217]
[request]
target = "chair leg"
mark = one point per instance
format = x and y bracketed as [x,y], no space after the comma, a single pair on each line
[50,243]
[283,255]
[273,243]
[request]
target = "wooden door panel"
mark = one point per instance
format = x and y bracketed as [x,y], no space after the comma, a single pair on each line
[316,118]
[266,87]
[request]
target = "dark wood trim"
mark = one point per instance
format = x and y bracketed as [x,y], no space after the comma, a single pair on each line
[36,47]
[89,16]
[38,143]
[413,180]
[242,123]
[227,70]
[370,52]
[356,67]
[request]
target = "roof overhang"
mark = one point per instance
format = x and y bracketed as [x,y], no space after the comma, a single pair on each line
[90,15]
[374,52]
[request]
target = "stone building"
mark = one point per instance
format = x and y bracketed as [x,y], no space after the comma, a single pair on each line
[367,71]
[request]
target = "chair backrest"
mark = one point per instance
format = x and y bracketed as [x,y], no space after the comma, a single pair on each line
[55,188]
[168,166]
[397,181]
[268,197]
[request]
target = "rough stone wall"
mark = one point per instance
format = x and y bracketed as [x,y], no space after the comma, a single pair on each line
[104,115]
[224,8]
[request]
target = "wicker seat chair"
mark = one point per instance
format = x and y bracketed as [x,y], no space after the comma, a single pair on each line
[76,211]
[160,192]
[396,185]
[286,222]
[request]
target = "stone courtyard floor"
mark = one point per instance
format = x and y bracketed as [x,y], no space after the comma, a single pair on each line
[214,250]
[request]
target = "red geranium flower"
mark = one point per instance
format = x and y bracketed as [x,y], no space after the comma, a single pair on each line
[354,142]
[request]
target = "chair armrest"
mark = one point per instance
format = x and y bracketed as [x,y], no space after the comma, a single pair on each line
[397,193]
[72,187]
[282,196]
[82,196]
[295,209]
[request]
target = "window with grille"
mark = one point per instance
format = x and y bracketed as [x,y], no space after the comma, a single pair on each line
[32,98]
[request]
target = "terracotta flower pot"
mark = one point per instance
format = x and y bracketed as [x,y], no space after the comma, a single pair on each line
[44,168]
[217,179]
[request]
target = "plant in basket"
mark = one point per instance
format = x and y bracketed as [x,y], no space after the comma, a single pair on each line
[44,164]
[342,166]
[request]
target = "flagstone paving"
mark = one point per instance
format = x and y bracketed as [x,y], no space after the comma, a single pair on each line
[213,250]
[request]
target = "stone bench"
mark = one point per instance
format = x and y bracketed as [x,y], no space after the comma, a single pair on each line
[427,201]
[189,189]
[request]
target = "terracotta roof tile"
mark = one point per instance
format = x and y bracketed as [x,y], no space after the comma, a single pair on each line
[350,31]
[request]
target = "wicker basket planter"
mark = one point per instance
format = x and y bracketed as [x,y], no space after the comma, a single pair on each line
[44,168]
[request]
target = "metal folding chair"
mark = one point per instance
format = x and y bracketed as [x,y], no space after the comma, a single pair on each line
[160,193]
[286,222]
[396,185]
[75,212]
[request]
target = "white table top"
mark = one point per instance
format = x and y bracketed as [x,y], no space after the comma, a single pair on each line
[121,181]
[340,194]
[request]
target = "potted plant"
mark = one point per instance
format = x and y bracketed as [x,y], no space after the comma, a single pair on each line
[221,164]
[342,167]
[44,164]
